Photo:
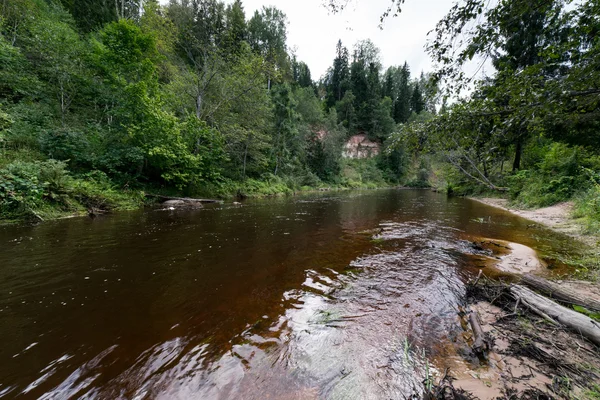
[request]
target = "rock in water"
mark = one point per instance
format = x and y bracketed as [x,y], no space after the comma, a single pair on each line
[171,203]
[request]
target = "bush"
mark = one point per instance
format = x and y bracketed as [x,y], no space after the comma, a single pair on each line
[587,207]
[96,190]
[420,179]
[362,173]
[557,177]
[44,188]
[24,186]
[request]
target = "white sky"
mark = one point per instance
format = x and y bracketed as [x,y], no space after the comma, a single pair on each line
[313,32]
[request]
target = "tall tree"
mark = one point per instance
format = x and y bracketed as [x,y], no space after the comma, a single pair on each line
[389,86]
[286,147]
[236,31]
[523,42]
[301,73]
[339,77]
[201,27]
[417,104]
[267,35]
[402,104]
[93,14]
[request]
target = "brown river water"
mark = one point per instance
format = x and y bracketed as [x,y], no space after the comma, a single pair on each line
[349,295]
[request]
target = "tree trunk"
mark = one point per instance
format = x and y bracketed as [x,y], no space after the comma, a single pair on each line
[518,151]
[245,158]
[554,312]
[198,106]
[560,293]
[15,30]
[62,104]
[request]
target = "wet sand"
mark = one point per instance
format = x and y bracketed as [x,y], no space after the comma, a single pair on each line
[504,368]
[557,217]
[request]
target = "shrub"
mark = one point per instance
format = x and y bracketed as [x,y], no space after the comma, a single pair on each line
[96,190]
[557,177]
[587,207]
[24,186]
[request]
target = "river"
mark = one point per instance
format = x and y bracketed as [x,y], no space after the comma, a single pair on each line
[349,295]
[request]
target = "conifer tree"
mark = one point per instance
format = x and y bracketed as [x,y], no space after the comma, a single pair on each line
[402,106]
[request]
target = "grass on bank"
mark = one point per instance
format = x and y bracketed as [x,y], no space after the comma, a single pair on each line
[45,190]
[40,189]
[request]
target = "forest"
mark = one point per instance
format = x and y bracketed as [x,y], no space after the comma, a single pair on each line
[192,98]
[102,101]
[530,131]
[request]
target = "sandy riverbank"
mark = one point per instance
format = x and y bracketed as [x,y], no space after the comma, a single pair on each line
[522,346]
[557,217]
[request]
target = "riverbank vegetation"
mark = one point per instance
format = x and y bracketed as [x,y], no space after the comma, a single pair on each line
[529,131]
[100,103]
[197,98]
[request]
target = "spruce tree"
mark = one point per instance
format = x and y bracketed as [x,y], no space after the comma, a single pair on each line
[403,101]
[417,104]
[340,76]
[236,29]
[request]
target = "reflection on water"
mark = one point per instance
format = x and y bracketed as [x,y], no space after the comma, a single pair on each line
[338,296]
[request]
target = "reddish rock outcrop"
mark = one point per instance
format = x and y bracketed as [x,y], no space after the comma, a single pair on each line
[359,146]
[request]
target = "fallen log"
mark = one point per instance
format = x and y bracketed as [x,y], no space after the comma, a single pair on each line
[480,346]
[560,293]
[185,199]
[556,313]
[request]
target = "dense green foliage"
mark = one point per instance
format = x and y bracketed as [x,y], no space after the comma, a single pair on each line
[194,97]
[191,97]
[530,130]
[370,100]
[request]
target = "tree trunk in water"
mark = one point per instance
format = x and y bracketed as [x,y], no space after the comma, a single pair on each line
[556,313]
[560,293]
[518,151]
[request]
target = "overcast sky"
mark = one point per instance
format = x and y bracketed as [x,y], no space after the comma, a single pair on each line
[313,32]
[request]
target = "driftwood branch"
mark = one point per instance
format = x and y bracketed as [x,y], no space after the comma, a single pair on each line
[480,346]
[552,311]
[477,279]
[560,293]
